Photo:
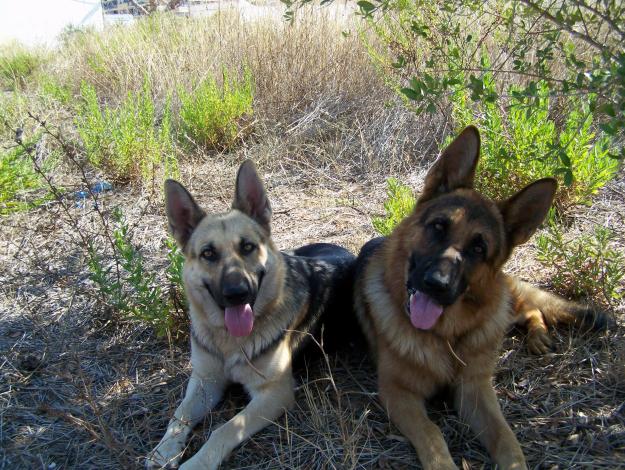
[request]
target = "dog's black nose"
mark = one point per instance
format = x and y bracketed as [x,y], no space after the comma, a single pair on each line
[236,294]
[437,281]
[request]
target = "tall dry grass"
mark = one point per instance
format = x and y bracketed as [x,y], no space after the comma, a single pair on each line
[292,64]
[319,99]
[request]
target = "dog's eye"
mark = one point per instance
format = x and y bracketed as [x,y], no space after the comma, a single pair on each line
[247,248]
[439,226]
[209,254]
[478,247]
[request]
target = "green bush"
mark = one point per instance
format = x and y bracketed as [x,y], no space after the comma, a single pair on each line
[18,180]
[521,142]
[590,266]
[175,258]
[51,88]
[126,285]
[17,65]
[400,203]
[430,49]
[129,141]
[544,81]
[212,116]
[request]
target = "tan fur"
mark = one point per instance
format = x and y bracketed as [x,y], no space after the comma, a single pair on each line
[537,310]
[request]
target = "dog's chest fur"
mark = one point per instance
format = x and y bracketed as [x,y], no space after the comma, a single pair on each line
[440,353]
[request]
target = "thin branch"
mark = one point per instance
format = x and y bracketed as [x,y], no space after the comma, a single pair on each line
[606,18]
[587,39]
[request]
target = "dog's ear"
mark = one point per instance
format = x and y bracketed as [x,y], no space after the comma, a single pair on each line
[525,211]
[183,214]
[250,196]
[455,168]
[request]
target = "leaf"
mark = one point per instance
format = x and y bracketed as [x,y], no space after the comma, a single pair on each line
[564,158]
[411,94]
[366,7]
[607,108]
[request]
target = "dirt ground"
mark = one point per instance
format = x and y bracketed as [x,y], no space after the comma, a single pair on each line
[81,388]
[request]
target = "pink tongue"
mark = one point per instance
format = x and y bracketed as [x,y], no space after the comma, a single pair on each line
[239,320]
[423,311]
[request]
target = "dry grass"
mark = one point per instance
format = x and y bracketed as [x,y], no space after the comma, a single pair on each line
[318,97]
[293,65]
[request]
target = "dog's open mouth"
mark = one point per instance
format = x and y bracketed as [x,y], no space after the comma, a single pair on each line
[422,309]
[239,320]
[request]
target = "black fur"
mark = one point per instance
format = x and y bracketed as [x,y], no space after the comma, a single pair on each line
[325,272]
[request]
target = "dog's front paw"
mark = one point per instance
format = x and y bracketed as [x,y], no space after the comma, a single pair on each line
[539,342]
[166,455]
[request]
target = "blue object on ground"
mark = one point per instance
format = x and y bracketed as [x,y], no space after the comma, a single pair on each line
[102,186]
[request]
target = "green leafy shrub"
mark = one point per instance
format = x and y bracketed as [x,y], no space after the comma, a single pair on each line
[19,180]
[522,142]
[400,203]
[127,287]
[17,65]
[212,115]
[590,266]
[174,273]
[575,48]
[53,89]
[128,141]
[545,81]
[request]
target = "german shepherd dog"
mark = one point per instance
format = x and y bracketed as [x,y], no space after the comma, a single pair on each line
[251,307]
[434,303]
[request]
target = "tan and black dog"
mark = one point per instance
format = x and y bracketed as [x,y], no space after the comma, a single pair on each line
[434,303]
[252,308]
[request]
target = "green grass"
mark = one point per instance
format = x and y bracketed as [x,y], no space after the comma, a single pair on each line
[17,66]
[212,116]
[52,88]
[131,142]
[399,203]
[19,183]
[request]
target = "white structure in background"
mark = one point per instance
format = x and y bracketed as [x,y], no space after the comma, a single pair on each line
[35,22]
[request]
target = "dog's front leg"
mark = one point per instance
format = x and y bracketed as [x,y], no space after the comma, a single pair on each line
[204,390]
[407,411]
[477,403]
[267,404]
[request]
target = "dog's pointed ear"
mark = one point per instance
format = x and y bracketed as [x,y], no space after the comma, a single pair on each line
[250,196]
[455,168]
[183,213]
[525,211]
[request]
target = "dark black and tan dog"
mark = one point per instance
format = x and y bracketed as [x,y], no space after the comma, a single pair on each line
[251,308]
[435,305]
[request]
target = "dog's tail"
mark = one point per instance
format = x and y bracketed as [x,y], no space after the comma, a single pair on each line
[536,309]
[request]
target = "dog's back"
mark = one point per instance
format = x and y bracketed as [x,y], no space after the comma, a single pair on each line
[329,271]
